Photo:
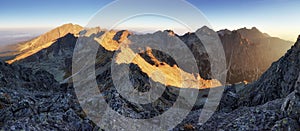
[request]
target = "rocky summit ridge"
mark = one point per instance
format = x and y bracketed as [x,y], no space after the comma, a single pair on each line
[44,41]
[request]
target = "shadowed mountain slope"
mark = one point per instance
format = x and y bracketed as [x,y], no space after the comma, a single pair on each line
[270,103]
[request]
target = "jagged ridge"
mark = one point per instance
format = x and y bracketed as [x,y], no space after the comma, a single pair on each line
[44,41]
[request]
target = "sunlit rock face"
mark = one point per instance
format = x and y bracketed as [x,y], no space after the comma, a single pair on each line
[44,41]
[171,75]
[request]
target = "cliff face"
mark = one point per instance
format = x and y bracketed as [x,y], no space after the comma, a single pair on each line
[249,53]
[278,81]
[270,103]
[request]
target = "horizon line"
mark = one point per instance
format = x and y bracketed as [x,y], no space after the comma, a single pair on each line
[145,30]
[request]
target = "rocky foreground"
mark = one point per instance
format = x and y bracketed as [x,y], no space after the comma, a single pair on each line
[36,101]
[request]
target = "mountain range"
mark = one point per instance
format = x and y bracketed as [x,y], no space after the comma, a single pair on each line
[248,51]
[33,99]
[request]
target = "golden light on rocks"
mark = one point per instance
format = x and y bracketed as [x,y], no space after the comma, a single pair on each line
[171,75]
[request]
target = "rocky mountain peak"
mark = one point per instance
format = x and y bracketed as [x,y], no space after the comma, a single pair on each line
[44,41]
[70,28]
[252,33]
[224,32]
[90,31]
[170,32]
[58,33]
[122,35]
[255,29]
[205,30]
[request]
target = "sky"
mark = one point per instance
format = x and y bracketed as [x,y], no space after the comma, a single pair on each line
[279,18]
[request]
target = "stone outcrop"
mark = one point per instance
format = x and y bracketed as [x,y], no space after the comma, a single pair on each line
[36,101]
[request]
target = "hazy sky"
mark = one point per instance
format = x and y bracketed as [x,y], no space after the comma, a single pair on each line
[276,17]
